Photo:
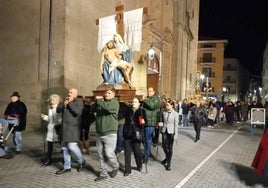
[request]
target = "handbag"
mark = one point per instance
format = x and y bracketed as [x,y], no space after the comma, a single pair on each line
[137,134]
[141,119]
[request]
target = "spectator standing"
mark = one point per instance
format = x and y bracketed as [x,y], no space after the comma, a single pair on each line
[212,113]
[237,111]
[199,113]
[230,110]
[180,112]
[218,105]
[185,111]
[71,111]
[106,109]
[54,119]
[16,109]
[244,112]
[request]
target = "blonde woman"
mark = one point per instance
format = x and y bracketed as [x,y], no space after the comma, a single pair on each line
[212,113]
[53,119]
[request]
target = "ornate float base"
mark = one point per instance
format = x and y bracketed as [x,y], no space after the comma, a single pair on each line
[124,92]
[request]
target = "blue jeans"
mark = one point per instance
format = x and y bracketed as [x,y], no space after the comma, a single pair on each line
[17,140]
[73,147]
[106,147]
[148,134]
[185,120]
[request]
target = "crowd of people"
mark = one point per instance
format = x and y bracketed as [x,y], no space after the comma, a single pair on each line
[130,128]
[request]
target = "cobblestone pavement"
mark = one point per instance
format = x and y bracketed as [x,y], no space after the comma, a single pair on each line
[221,158]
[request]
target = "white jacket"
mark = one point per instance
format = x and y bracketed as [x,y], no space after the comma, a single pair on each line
[170,122]
[53,119]
[212,112]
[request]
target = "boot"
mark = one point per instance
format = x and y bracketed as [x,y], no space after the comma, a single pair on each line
[49,154]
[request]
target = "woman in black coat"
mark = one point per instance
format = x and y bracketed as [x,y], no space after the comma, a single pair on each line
[135,119]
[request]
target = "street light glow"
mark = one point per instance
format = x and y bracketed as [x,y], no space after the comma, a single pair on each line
[151,53]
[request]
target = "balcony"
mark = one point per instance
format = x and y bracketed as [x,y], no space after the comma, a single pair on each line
[209,74]
[208,46]
[207,60]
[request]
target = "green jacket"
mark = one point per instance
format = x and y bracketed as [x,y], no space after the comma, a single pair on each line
[106,116]
[151,106]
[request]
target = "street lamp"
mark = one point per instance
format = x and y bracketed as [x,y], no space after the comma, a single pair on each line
[151,53]
[226,90]
[202,76]
[207,88]
[151,56]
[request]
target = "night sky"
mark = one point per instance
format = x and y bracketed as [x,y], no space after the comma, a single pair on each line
[243,23]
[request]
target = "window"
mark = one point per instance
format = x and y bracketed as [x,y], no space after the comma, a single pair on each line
[207,72]
[207,57]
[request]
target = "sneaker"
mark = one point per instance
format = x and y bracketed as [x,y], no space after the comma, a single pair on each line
[113,173]
[100,178]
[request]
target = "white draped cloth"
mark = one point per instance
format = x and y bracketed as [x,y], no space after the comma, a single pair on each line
[107,28]
[133,28]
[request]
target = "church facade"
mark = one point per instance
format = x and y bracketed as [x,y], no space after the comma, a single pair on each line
[49,46]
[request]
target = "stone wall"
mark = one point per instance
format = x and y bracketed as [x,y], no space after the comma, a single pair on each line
[48,46]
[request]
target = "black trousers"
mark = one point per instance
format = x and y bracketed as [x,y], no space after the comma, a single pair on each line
[197,128]
[49,150]
[167,144]
[84,131]
[130,145]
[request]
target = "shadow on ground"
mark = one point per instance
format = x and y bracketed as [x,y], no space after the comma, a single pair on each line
[39,156]
[246,174]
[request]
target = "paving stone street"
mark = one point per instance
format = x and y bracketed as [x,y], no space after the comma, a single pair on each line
[221,158]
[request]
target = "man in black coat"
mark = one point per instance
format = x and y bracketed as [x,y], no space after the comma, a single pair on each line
[71,110]
[16,110]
